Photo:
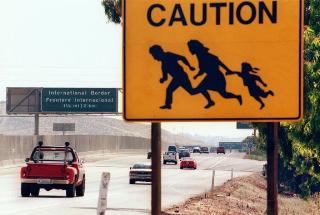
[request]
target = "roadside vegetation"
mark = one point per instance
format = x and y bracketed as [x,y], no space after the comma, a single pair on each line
[258,151]
[257,155]
[299,163]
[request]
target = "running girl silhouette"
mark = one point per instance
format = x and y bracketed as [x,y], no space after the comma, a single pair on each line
[210,64]
[170,65]
[250,80]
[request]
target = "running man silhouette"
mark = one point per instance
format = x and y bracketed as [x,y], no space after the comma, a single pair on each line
[170,65]
[250,80]
[210,64]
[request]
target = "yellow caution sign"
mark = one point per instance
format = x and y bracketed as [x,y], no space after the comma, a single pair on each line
[218,60]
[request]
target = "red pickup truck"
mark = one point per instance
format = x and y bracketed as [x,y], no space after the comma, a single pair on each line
[52,167]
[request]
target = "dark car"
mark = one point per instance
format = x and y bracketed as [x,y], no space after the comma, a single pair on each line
[184,153]
[172,149]
[264,170]
[221,150]
[204,150]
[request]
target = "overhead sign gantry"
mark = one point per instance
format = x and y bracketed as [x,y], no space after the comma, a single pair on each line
[62,100]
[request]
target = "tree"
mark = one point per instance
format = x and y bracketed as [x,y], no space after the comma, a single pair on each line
[299,164]
[312,14]
[112,9]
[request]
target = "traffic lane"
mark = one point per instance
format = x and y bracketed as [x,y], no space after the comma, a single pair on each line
[240,165]
[194,182]
[55,200]
[177,186]
[204,161]
[123,198]
[228,161]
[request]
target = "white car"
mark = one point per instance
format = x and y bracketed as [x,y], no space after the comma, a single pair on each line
[140,172]
[170,157]
[196,150]
[181,148]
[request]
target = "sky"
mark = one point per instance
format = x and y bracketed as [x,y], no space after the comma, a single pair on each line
[68,43]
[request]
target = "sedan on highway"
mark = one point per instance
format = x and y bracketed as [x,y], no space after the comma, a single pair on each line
[140,172]
[188,162]
[196,150]
[184,153]
[204,150]
[221,150]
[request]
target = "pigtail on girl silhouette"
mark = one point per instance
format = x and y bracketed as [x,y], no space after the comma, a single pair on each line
[250,79]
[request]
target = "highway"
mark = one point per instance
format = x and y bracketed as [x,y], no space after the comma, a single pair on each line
[123,198]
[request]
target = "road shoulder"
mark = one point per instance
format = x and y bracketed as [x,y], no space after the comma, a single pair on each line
[242,196]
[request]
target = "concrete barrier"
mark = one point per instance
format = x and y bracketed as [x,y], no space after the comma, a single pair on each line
[13,149]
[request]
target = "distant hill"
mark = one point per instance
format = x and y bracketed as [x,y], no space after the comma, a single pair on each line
[99,125]
[85,125]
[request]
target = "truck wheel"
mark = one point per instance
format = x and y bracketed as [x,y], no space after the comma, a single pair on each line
[34,189]
[25,190]
[132,181]
[71,190]
[81,188]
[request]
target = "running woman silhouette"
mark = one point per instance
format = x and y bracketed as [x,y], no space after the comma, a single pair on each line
[250,80]
[210,64]
[170,65]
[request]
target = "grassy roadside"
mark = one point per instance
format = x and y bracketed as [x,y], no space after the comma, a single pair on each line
[257,155]
[243,196]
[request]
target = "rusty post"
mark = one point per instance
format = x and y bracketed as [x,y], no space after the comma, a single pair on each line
[272,168]
[156,168]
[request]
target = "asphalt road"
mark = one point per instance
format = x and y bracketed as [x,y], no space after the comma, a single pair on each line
[123,198]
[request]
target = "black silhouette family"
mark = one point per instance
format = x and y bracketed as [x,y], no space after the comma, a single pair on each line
[214,79]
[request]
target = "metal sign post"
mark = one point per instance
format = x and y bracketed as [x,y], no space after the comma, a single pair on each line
[103,193]
[156,168]
[36,124]
[272,168]
[212,181]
